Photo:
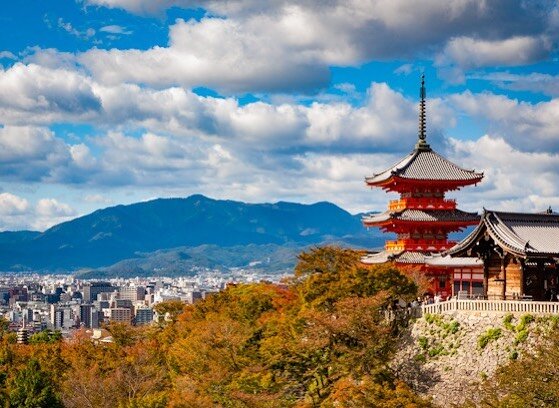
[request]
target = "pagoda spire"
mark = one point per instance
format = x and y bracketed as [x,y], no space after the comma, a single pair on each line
[422,143]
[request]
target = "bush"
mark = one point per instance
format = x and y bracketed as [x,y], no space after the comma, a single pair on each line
[490,335]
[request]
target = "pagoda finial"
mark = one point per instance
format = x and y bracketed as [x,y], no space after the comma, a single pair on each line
[422,143]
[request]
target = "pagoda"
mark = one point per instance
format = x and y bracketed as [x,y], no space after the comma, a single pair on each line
[423,217]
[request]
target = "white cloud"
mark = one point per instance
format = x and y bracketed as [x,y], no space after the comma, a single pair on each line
[70,29]
[16,213]
[215,53]
[7,55]
[467,53]
[30,154]
[514,179]
[97,199]
[532,127]
[115,29]
[287,45]
[533,82]
[34,94]
[11,205]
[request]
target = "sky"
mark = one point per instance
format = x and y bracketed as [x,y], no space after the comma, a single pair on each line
[107,102]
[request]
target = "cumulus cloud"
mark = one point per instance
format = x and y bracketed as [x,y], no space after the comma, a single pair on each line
[464,53]
[11,205]
[48,95]
[17,213]
[526,126]
[215,53]
[514,180]
[285,45]
[33,94]
[473,53]
[30,154]
[533,82]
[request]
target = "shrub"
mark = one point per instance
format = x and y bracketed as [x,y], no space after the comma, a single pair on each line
[423,342]
[490,335]
[507,322]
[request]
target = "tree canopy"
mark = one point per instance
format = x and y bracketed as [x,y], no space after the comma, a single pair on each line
[318,340]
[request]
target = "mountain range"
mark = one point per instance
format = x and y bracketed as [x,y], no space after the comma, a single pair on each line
[181,233]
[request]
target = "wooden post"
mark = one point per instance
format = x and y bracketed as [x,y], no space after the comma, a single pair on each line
[485,278]
[504,276]
[521,263]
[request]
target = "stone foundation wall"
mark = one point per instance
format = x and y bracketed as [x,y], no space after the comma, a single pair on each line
[447,357]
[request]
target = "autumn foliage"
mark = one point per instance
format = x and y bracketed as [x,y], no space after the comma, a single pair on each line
[319,340]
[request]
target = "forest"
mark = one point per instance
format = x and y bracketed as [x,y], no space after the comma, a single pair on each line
[319,339]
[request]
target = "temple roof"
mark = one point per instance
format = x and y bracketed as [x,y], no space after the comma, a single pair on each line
[422,216]
[522,234]
[426,164]
[414,257]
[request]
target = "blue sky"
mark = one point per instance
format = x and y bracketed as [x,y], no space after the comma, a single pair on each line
[105,102]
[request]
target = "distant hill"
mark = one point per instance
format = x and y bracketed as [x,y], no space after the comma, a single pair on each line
[115,234]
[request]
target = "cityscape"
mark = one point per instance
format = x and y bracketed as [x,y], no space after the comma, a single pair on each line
[35,303]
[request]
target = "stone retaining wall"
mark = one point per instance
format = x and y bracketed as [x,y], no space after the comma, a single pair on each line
[447,356]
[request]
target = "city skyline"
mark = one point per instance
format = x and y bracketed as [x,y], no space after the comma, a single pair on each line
[104,102]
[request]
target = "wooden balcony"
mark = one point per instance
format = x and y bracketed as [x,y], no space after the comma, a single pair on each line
[418,245]
[422,204]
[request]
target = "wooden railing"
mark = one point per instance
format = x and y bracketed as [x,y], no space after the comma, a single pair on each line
[496,306]
[418,245]
[422,203]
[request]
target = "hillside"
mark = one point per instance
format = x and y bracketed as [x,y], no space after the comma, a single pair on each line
[115,234]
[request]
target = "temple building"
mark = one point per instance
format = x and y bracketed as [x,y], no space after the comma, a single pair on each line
[520,253]
[423,217]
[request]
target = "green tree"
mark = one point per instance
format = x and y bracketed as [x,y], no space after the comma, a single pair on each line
[45,336]
[33,388]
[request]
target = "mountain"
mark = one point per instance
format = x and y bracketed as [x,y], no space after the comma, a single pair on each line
[114,234]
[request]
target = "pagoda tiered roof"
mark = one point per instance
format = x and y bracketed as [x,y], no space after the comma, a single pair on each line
[433,217]
[419,258]
[522,234]
[426,166]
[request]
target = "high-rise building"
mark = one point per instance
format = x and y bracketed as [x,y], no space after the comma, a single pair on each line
[121,315]
[56,317]
[144,315]
[133,293]
[97,318]
[86,311]
[92,289]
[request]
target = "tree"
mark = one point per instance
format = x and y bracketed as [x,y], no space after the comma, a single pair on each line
[33,388]
[169,310]
[325,275]
[45,336]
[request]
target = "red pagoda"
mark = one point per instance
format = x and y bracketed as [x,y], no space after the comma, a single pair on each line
[423,217]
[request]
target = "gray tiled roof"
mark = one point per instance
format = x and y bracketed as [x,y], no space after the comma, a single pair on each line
[523,234]
[424,164]
[422,215]
[399,257]
[376,258]
[438,260]
[414,257]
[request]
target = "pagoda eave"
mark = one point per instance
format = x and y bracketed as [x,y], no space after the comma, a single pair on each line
[399,184]
[395,225]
